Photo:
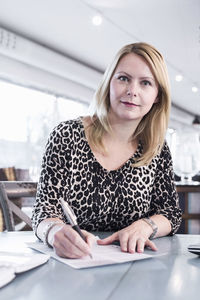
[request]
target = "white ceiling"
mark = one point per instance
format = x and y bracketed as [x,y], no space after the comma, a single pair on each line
[173,26]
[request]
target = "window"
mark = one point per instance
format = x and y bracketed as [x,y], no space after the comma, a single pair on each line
[27,117]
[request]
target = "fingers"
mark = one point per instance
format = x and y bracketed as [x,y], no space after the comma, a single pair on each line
[90,238]
[68,243]
[139,245]
[124,243]
[109,240]
[67,249]
[129,243]
[135,237]
[151,245]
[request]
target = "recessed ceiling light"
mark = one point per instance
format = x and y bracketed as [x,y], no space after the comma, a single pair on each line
[179,77]
[194,89]
[97,20]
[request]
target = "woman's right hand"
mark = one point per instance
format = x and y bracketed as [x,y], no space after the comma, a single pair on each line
[68,243]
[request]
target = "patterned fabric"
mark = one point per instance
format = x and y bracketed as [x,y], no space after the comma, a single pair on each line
[102,200]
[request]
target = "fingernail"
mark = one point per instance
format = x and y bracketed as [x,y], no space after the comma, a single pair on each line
[124,250]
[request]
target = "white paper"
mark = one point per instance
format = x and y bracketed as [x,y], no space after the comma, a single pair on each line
[101,255]
[7,274]
[13,263]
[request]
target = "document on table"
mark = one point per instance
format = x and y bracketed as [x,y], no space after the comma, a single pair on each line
[12,263]
[101,255]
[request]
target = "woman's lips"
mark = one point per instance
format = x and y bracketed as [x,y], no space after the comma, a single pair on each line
[129,103]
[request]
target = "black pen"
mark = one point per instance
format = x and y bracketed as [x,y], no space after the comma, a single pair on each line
[71,217]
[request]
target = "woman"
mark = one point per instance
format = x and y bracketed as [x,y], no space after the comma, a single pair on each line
[114,167]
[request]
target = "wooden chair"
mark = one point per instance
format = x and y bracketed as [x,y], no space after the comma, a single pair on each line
[10,191]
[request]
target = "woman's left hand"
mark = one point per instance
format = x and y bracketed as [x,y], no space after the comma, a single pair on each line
[132,238]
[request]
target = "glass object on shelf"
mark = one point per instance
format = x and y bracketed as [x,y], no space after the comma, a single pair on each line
[186,155]
[34,173]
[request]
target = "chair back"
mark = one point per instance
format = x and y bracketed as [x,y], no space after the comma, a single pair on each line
[10,191]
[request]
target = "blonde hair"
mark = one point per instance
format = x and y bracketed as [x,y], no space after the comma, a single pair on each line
[152,128]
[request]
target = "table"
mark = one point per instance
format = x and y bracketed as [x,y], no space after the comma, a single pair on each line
[183,191]
[174,275]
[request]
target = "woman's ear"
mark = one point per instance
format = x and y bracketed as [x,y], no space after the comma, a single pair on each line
[158,97]
[156,100]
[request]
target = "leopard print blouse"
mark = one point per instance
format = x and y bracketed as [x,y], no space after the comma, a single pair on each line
[102,200]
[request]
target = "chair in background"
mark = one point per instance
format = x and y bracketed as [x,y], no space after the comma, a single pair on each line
[10,191]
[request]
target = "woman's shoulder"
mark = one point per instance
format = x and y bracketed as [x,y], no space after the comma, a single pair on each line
[65,128]
[72,123]
[165,150]
[164,156]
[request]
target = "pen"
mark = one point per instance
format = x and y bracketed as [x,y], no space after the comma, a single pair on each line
[71,217]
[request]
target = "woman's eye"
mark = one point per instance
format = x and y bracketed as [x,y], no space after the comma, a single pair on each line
[146,82]
[123,78]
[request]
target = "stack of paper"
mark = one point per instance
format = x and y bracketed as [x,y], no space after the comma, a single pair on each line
[11,264]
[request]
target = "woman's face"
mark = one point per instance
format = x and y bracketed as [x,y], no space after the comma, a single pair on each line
[133,89]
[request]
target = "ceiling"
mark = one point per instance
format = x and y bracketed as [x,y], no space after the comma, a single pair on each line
[172,26]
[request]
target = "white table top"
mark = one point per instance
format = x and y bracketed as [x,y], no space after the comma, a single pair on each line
[174,275]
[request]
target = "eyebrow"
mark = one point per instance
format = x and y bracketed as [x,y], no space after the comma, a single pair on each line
[143,77]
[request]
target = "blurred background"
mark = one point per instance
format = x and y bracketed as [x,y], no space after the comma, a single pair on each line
[53,55]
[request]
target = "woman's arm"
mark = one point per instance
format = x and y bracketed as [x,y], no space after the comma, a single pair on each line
[53,183]
[48,219]
[164,197]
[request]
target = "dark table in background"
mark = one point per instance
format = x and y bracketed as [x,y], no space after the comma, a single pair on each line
[184,191]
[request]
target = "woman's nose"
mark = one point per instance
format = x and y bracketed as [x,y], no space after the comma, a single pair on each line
[132,90]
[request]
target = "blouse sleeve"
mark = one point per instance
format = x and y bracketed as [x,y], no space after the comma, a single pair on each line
[53,183]
[164,198]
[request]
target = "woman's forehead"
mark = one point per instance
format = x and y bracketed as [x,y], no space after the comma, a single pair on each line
[134,63]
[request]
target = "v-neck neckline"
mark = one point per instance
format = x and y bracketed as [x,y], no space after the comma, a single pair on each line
[126,163]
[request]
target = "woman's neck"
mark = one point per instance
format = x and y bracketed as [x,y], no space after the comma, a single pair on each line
[122,131]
